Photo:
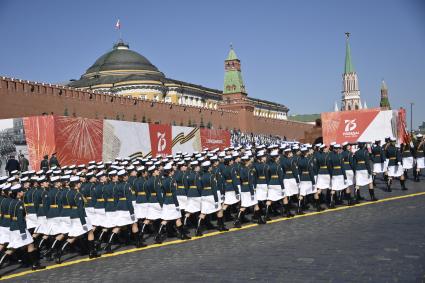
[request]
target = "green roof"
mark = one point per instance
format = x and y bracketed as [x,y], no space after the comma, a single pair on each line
[304,117]
[233,82]
[232,55]
[349,68]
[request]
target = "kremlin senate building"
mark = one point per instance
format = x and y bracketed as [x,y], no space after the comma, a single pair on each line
[125,72]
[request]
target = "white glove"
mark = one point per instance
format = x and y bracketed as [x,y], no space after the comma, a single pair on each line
[252,197]
[177,208]
[345,181]
[23,236]
[85,228]
[238,196]
[216,205]
[133,217]
[283,193]
[222,197]
[399,163]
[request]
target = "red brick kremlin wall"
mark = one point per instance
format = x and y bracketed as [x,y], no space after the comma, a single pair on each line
[21,98]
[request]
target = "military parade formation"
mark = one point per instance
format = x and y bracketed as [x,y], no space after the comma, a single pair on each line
[91,208]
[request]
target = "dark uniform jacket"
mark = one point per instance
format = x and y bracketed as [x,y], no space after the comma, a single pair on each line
[180,177]
[336,162]
[53,203]
[140,191]
[4,211]
[393,154]
[229,184]
[289,168]
[323,166]
[248,179]
[361,160]
[29,201]
[17,216]
[377,154]
[209,185]
[154,190]
[193,184]
[305,169]
[262,170]
[275,174]
[169,186]
[123,197]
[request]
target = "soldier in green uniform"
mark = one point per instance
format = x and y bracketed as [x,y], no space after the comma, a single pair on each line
[193,184]
[419,149]
[361,163]
[231,191]
[248,197]
[170,205]
[210,202]
[378,159]
[395,165]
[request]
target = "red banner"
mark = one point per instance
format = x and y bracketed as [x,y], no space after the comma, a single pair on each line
[40,138]
[78,140]
[359,125]
[161,139]
[215,138]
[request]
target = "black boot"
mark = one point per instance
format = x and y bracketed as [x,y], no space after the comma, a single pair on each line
[389,182]
[108,247]
[35,260]
[138,241]
[181,235]
[287,211]
[48,255]
[349,199]
[4,260]
[98,243]
[403,185]
[317,204]
[159,236]
[198,232]
[267,217]
[415,175]
[359,195]
[332,203]
[208,224]
[299,208]
[60,252]
[372,195]
[259,217]
[92,249]
[237,222]
[220,225]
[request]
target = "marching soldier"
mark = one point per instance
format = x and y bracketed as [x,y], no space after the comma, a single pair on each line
[378,159]
[363,171]
[419,155]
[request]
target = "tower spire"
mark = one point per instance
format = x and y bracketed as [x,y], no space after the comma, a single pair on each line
[350,84]
[233,82]
[349,68]
[385,103]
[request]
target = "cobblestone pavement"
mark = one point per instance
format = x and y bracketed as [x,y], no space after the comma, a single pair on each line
[380,242]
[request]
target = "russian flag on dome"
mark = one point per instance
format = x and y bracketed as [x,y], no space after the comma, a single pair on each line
[118,24]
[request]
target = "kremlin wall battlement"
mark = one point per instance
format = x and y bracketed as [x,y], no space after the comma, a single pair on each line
[21,98]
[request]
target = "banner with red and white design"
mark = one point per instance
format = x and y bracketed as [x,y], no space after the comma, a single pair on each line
[212,139]
[161,139]
[80,140]
[365,125]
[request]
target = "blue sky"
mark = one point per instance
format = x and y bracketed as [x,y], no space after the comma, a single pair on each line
[292,52]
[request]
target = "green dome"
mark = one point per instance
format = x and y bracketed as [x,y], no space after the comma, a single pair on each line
[119,65]
[121,58]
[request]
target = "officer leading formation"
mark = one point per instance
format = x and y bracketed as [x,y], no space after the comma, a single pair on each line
[92,208]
